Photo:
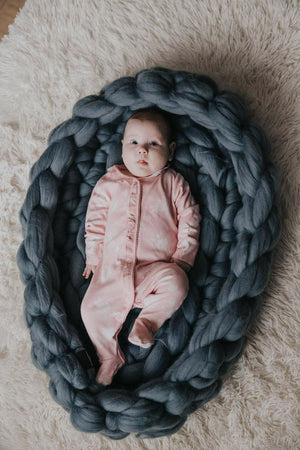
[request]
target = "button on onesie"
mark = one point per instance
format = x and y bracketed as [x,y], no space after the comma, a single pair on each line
[134,226]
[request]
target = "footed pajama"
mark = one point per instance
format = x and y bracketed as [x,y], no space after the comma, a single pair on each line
[134,226]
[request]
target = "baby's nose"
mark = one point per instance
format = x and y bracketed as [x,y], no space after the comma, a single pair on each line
[143,149]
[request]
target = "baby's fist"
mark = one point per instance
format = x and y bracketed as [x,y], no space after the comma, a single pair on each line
[88,269]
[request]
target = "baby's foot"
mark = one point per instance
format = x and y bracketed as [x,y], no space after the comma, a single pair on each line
[141,335]
[108,369]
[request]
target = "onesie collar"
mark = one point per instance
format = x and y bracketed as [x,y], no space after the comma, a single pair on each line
[121,168]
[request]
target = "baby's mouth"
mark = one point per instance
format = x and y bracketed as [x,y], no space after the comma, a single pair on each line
[143,162]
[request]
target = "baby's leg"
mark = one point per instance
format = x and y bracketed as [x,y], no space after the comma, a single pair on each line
[103,322]
[160,294]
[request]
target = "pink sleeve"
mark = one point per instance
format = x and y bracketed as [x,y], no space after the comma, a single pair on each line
[95,223]
[188,216]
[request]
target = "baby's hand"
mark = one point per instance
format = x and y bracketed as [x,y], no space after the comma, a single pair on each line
[87,270]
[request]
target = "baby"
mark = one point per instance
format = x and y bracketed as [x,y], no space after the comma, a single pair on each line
[142,236]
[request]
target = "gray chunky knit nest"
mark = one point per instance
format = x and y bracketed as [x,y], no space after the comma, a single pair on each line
[225,159]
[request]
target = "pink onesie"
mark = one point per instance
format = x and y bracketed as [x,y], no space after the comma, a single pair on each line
[134,226]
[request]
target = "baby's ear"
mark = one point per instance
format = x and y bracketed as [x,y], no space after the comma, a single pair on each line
[172,147]
[122,141]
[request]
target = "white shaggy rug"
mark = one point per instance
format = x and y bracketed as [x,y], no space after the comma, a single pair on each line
[59,51]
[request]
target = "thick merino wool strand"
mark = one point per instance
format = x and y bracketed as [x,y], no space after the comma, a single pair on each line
[225,159]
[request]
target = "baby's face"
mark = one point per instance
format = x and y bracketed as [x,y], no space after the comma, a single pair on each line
[144,147]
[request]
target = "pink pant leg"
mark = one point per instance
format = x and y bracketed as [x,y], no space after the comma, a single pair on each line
[103,318]
[161,288]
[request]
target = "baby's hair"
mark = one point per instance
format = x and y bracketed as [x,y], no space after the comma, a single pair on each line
[141,113]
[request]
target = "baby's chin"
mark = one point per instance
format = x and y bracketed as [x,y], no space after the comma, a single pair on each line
[144,171]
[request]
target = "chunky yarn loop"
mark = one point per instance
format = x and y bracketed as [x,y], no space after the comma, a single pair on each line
[225,160]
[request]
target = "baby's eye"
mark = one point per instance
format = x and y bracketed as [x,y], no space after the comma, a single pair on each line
[153,143]
[133,141]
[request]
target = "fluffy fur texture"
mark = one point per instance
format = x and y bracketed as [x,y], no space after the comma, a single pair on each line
[56,53]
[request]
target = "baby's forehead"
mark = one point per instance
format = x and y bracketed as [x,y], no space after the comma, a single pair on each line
[136,122]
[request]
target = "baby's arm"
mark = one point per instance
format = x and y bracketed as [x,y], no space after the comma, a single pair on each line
[189,218]
[95,224]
